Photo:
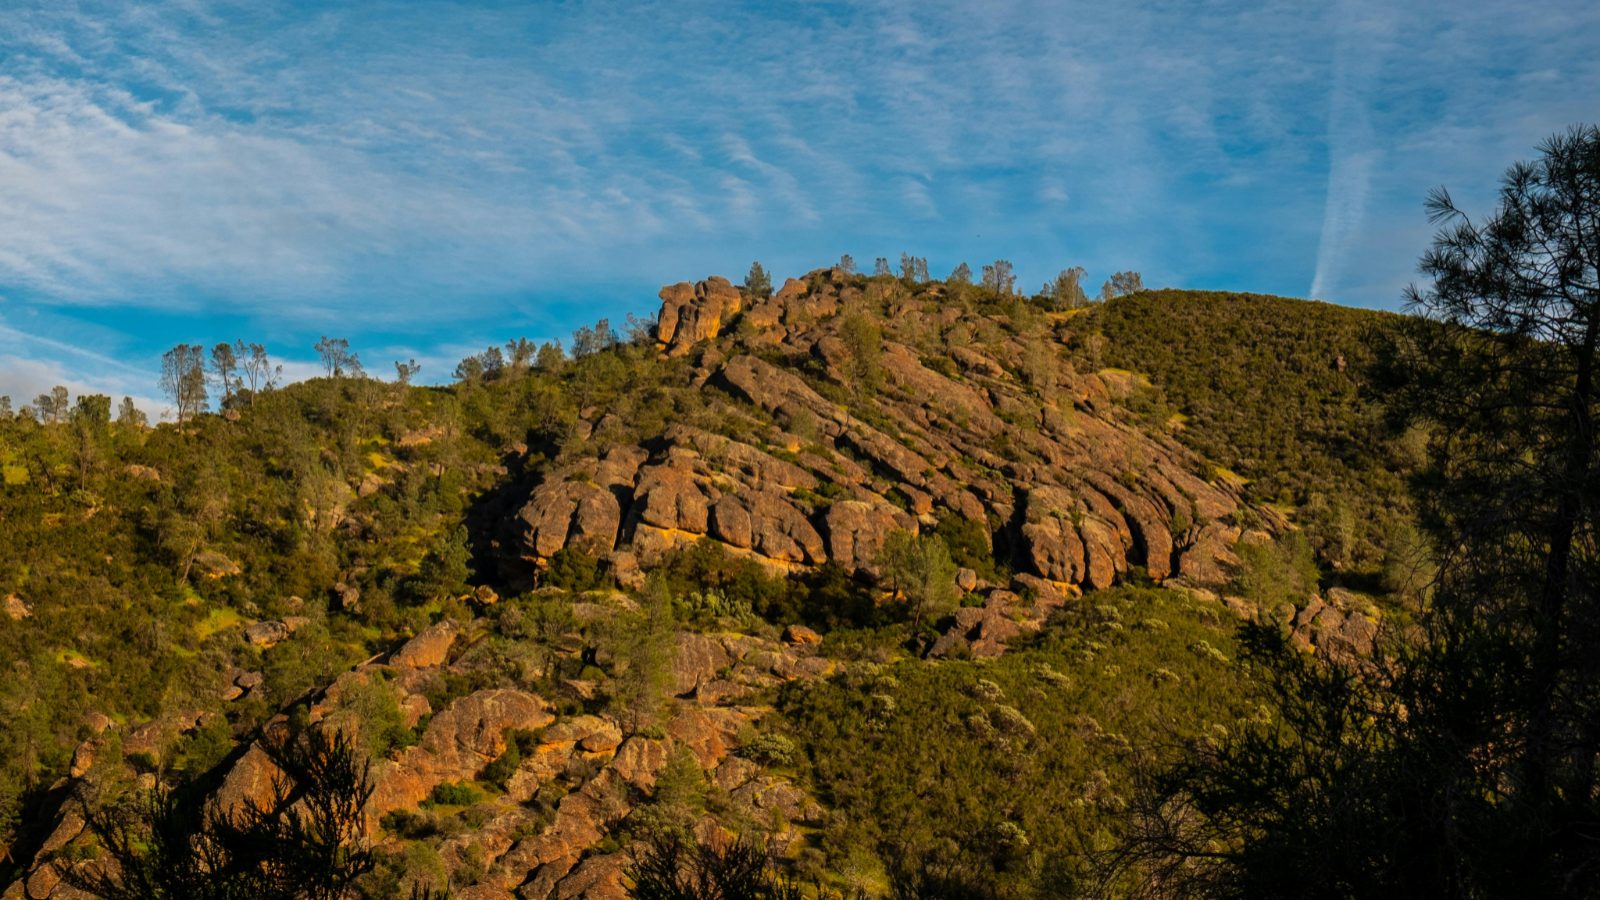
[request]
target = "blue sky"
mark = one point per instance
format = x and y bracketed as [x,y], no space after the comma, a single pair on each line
[426,178]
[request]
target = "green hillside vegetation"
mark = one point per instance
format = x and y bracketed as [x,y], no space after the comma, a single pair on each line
[1279,392]
[141,553]
[1005,777]
[365,511]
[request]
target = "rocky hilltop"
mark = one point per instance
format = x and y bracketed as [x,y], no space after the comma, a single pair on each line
[825,453]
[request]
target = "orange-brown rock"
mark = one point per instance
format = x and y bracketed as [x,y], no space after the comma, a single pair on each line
[691,313]
[1342,626]
[82,759]
[578,514]
[591,734]
[800,635]
[709,733]
[250,781]
[596,878]
[667,497]
[460,740]
[856,531]
[639,760]
[1209,556]
[768,524]
[429,648]
[801,469]
[1050,534]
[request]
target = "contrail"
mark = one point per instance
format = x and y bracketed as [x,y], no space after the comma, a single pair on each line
[1352,154]
[61,347]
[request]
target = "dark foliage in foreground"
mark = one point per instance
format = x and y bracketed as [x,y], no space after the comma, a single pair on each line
[1471,766]
[305,842]
[669,867]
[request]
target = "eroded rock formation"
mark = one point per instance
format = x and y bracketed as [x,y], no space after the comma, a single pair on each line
[826,466]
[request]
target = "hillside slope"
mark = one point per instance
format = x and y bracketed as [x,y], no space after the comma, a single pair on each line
[1281,392]
[712,578]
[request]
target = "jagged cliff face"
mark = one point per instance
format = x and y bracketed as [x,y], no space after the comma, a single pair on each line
[831,445]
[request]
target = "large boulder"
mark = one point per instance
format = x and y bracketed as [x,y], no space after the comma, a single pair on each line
[251,782]
[16,608]
[668,497]
[577,514]
[1050,541]
[769,525]
[775,390]
[429,648]
[856,531]
[1209,556]
[691,313]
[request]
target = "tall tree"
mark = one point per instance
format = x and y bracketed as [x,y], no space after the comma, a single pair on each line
[847,264]
[223,366]
[961,276]
[587,341]
[55,406]
[644,648]
[520,353]
[1121,284]
[862,335]
[337,360]
[913,268]
[91,421]
[52,406]
[641,332]
[183,380]
[305,840]
[880,266]
[481,366]
[757,284]
[130,416]
[999,278]
[258,369]
[1066,291]
[405,371]
[920,569]
[1504,374]
[550,357]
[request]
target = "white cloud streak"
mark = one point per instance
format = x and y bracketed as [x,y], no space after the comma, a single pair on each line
[1353,155]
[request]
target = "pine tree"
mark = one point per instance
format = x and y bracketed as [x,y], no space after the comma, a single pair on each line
[757,284]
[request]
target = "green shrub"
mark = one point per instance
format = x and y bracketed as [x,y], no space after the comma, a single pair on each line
[968,542]
[769,750]
[574,570]
[455,793]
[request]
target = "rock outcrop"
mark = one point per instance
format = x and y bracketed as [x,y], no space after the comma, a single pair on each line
[579,514]
[819,468]
[691,313]
[458,743]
